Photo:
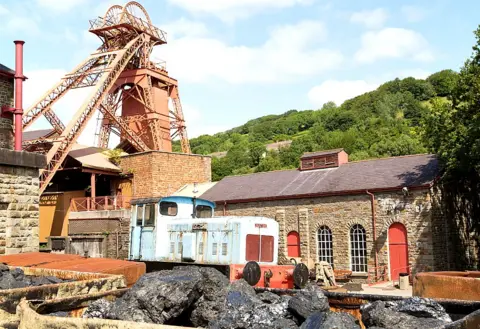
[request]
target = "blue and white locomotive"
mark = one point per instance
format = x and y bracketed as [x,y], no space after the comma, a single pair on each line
[172,231]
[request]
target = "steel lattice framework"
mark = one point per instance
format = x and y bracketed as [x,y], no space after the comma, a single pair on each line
[129,91]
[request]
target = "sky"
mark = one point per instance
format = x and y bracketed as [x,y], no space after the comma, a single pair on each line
[236,60]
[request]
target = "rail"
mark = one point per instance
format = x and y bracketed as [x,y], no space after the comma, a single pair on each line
[100,203]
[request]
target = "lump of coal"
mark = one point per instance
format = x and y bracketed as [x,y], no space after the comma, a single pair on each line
[330,320]
[212,302]
[268,297]
[18,274]
[382,314]
[4,267]
[422,308]
[98,309]
[248,312]
[8,281]
[159,297]
[308,302]
[60,314]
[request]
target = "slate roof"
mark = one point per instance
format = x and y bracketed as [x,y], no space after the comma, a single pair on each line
[36,134]
[320,153]
[6,70]
[387,173]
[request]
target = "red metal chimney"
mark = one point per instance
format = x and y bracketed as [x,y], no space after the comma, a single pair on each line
[19,78]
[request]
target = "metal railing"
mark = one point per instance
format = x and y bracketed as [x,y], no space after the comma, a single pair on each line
[100,203]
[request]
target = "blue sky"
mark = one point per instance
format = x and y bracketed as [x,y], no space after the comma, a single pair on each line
[239,59]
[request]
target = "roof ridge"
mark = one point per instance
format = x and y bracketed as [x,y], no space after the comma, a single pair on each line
[388,158]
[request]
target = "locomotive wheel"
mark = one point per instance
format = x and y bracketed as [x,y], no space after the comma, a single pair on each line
[300,275]
[252,273]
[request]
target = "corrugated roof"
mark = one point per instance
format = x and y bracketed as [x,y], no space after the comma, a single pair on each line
[326,152]
[410,171]
[92,157]
[187,190]
[36,134]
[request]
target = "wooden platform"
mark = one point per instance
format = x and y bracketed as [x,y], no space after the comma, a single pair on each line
[132,271]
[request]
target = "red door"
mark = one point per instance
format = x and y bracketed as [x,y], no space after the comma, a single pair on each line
[398,250]
[293,244]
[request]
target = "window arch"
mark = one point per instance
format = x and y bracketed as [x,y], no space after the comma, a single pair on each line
[293,244]
[358,248]
[325,246]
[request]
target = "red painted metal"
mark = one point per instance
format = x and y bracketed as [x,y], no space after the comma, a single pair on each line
[101,203]
[259,248]
[19,78]
[293,244]
[398,250]
[132,271]
[282,275]
[374,226]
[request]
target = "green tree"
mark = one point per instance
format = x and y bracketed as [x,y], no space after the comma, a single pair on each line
[444,82]
[256,152]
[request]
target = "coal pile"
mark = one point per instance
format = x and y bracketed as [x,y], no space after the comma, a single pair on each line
[203,297]
[16,278]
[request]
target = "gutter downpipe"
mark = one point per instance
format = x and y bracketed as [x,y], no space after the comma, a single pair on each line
[374,224]
[224,208]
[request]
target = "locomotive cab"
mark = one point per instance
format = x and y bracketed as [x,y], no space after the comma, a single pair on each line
[172,231]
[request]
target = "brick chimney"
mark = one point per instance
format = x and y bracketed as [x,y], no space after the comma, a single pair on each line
[323,159]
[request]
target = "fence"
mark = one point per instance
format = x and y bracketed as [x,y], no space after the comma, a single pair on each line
[100,203]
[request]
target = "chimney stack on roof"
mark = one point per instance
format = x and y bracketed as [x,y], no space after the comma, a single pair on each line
[323,159]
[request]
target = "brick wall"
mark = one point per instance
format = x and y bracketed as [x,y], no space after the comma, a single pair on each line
[6,99]
[158,173]
[425,232]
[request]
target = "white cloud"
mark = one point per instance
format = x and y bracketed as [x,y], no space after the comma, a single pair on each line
[4,10]
[393,43]
[291,52]
[198,125]
[338,91]
[16,24]
[60,5]
[413,13]
[183,27]
[372,19]
[229,10]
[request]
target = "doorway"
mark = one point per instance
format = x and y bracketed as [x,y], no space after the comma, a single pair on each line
[398,250]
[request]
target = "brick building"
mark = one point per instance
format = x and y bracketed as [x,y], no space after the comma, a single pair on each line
[377,216]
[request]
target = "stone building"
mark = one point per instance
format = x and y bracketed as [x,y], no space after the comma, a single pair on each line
[377,218]
[19,185]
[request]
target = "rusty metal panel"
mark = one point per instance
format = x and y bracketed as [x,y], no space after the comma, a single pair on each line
[267,247]
[252,247]
[457,285]
[132,271]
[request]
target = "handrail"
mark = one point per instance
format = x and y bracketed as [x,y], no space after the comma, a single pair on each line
[118,202]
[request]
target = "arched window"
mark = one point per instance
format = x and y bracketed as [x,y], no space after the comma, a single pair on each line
[358,248]
[293,244]
[325,246]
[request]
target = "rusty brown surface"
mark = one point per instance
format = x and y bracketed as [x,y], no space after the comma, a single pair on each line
[85,283]
[132,271]
[30,319]
[447,285]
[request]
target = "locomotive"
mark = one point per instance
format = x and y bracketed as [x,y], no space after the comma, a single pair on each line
[183,231]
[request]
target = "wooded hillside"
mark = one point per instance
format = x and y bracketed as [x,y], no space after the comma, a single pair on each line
[385,122]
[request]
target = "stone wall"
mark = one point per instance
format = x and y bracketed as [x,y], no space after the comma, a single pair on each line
[6,99]
[19,201]
[111,226]
[423,224]
[157,173]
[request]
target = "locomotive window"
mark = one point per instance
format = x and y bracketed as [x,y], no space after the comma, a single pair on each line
[139,215]
[149,215]
[224,249]
[214,249]
[203,212]
[168,208]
